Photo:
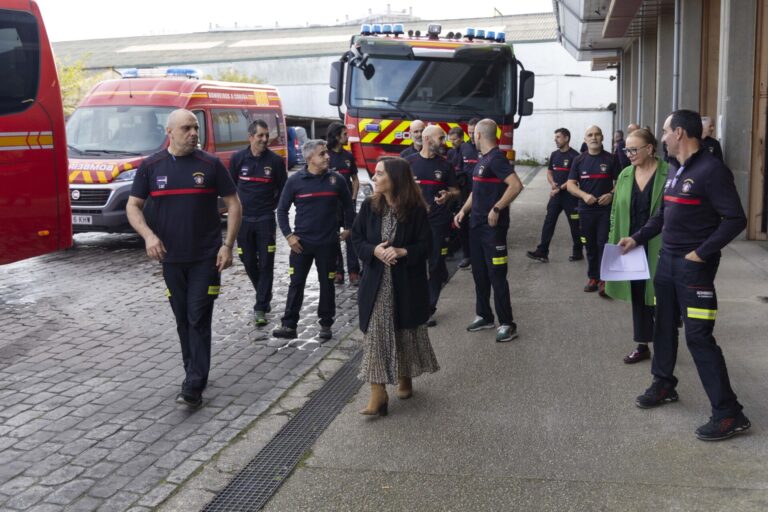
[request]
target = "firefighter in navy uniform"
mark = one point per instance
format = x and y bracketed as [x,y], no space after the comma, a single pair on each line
[560,200]
[495,185]
[343,163]
[467,159]
[701,213]
[591,179]
[437,180]
[184,184]
[316,194]
[260,176]
[415,131]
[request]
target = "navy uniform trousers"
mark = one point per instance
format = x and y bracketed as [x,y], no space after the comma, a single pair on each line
[324,257]
[438,271]
[595,227]
[561,202]
[489,270]
[686,288]
[256,247]
[192,289]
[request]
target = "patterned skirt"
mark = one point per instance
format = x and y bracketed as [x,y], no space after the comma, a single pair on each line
[390,353]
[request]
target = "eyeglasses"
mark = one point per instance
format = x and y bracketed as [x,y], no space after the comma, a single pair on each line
[633,151]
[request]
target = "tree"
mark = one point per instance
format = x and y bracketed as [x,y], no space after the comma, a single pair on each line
[75,82]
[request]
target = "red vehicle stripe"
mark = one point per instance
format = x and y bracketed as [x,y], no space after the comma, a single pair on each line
[430,182]
[486,180]
[682,200]
[182,191]
[317,194]
[250,178]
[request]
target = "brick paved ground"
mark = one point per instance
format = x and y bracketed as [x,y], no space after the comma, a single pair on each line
[90,365]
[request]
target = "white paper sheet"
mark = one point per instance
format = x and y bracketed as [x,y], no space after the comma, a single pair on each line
[632,266]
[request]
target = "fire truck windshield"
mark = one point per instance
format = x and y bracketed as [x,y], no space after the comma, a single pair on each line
[434,85]
[116,130]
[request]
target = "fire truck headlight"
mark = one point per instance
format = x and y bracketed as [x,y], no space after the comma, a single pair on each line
[126,176]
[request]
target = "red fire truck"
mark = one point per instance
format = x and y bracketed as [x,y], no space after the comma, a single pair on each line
[120,122]
[34,208]
[393,78]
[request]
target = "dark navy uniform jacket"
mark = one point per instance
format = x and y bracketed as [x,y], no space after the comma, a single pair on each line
[488,186]
[701,210]
[713,146]
[185,191]
[560,164]
[433,175]
[317,200]
[259,179]
[343,163]
[595,175]
[410,150]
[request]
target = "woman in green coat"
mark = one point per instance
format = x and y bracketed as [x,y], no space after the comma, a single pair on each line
[637,196]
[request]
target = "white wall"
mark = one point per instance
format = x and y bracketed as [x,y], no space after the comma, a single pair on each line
[567,93]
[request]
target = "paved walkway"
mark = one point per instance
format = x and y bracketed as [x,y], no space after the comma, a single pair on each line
[548,422]
[90,365]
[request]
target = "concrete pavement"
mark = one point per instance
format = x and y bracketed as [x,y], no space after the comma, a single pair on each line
[548,421]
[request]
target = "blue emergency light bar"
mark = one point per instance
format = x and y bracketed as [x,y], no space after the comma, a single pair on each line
[376,28]
[386,28]
[185,72]
[501,37]
[470,33]
[490,35]
[480,34]
[365,29]
[398,29]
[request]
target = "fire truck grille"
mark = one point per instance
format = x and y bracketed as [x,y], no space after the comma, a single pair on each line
[96,197]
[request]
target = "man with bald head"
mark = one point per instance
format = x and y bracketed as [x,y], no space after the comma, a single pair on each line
[591,180]
[184,184]
[416,129]
[437,179]
[494,186]
[708,142]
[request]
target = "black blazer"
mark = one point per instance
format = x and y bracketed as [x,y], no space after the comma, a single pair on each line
[409,274]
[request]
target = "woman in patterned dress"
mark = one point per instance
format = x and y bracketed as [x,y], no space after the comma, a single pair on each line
[392,238]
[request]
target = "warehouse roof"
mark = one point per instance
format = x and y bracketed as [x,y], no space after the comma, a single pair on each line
[250,45]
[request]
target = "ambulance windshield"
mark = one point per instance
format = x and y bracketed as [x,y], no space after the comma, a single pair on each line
[116,130]
[459,87]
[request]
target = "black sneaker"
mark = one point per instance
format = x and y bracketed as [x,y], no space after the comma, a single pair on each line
[431,322]
[465,263]
[658,394]
[325,332]
[284,332]
[717,430]
[195,401]
[538,256]
[575,257]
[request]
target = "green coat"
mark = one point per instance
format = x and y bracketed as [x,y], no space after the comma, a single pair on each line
[620,212]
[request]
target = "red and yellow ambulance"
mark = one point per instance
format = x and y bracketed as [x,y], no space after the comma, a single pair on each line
[122,121]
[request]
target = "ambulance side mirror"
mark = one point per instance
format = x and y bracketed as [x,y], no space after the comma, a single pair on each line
[336,96]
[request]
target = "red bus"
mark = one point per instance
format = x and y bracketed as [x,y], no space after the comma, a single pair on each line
[35,215]
[121,122]
[393,78]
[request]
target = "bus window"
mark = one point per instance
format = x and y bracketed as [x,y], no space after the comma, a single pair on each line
[19,61]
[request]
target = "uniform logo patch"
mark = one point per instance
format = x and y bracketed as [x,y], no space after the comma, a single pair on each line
[162,181]
[480,170]
[199,178]
[349,164]
[687,184]
[501,247]
[603,168]
[333,180]
[438,175]
[711,149]
[705,294]
[267,171]
[566,162]
[244,170]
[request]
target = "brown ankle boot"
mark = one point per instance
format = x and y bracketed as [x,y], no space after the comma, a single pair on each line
[405,388]
[379,402]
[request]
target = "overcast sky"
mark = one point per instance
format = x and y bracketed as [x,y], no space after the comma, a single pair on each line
[68,20]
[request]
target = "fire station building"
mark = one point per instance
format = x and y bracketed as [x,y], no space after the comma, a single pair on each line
[705,55]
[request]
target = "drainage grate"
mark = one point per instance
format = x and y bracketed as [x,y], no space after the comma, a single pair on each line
[259,480]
